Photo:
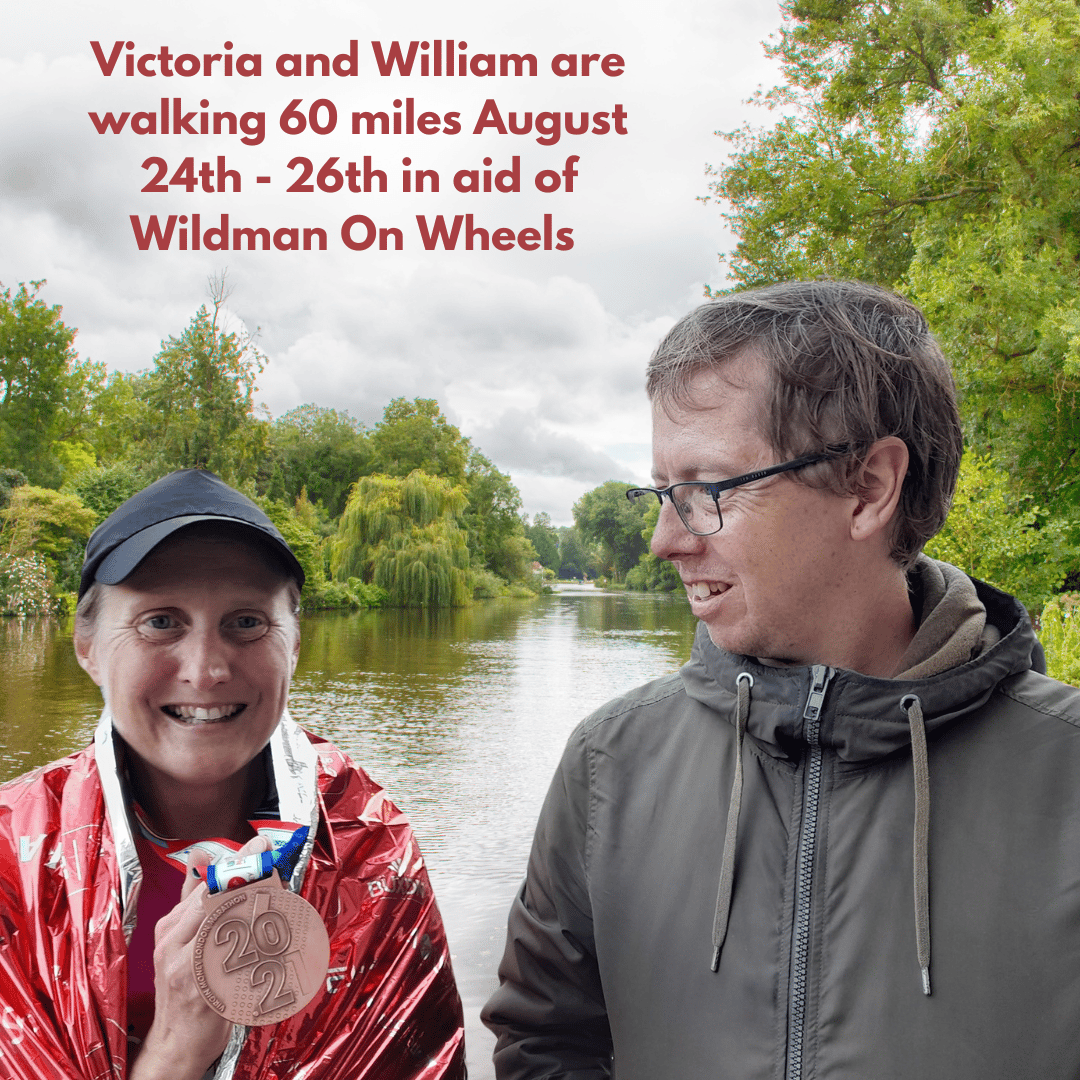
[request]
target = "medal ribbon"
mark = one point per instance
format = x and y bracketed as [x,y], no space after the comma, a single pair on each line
[287,840]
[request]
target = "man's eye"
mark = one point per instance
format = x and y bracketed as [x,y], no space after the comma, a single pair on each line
[160,622]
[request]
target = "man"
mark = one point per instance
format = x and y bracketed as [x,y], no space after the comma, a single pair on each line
[736,873]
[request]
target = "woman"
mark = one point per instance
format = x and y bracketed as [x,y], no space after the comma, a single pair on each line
[187,621]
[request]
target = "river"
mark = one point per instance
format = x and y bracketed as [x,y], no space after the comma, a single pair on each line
[461,714]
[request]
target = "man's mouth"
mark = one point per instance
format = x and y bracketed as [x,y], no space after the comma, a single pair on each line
[702,590]
[203,714]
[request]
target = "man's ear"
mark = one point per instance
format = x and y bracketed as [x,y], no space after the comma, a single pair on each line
[84,653]
[880,481]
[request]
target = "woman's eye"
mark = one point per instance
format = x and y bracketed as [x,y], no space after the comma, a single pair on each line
[249,625]
[161,625]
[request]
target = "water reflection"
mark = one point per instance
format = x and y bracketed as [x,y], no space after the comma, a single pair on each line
[460,714]
[48,705]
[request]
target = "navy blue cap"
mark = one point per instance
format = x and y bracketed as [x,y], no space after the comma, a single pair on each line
[182,498]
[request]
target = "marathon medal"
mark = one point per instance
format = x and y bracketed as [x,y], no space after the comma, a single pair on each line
[261,953]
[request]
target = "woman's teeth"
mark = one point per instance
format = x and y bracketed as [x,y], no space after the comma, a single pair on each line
[208,714]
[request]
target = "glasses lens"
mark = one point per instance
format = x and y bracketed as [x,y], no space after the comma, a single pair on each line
[697,508]
[641,496]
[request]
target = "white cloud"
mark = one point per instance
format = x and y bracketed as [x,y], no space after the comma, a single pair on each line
[537,355]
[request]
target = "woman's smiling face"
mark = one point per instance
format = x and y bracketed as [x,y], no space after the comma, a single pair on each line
[194,652]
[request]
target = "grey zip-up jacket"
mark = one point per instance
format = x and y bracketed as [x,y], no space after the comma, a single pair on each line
[830,940]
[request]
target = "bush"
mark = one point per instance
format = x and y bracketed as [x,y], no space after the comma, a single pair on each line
[104,489]
[24,586]
[486,585]
[1059,631]
[343,594]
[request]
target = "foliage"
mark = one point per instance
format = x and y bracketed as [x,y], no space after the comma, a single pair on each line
[415,435]
[486,585]
[200,396]
[9,480]
[931,146]
[652,574]
[118,417]
[104,489]
[544,539]
[24,585]
[403,534]
[74,456]
[39,376]
[343,594]
[578,559]
[100,437]
[49,524]
[1008,542]
[295,525]
[606,517]
[1059,631]
[496,535]
[316,449]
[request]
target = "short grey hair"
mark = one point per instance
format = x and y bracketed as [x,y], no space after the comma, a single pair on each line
[851,363]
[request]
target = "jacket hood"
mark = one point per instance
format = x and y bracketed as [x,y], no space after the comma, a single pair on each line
[862,719]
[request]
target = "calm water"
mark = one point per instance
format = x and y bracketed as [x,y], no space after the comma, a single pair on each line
[461,715]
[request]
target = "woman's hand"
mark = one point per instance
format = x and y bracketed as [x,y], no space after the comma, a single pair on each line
[187,1036]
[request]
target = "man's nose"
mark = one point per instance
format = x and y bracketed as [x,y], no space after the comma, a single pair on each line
[671,537]
[204,659]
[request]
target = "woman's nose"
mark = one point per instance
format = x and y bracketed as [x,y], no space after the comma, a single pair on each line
[204,659]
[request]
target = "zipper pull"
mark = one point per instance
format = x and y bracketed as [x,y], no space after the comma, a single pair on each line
[819,680]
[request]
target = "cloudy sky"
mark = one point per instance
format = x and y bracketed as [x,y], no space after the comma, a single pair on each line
[536,354]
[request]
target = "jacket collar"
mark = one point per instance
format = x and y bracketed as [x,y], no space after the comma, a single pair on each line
[861,719]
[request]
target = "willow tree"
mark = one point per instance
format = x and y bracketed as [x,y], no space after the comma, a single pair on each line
[402,534]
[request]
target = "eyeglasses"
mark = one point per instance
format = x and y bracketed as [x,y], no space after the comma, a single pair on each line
[698,503]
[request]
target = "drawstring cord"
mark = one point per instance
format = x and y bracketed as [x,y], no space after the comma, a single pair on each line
[912,707]
[727,866]
[920,869]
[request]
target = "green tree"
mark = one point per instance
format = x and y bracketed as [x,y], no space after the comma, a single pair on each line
[118,415]
[545,540]
[653,574]
[577,558]
[104,488]
[415,435]
[40,379]
[317,449]
[497,540]
[605,516]
[931,146]
[403,535]
[51,525]
[200,393]
[1010,543]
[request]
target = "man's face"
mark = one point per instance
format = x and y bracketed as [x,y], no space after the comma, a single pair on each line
[772,582]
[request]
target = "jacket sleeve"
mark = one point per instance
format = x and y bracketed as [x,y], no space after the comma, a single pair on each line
[549,1012]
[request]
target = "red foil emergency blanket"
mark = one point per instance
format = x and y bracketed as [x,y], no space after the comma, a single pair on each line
[69,882]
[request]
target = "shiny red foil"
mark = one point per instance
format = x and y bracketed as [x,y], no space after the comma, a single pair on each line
[389,1010]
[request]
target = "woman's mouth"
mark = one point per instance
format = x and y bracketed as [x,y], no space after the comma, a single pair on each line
[203,714]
